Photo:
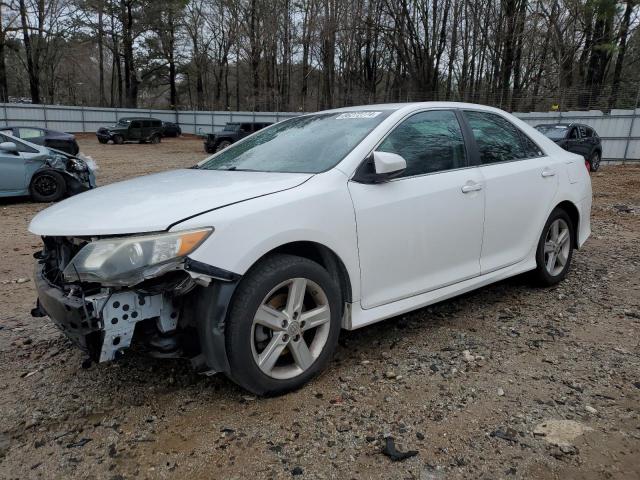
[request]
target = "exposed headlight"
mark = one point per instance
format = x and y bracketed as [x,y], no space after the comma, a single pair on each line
[77,165]
[129,260]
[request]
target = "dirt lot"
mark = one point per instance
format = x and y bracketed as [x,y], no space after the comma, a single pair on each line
[474,385]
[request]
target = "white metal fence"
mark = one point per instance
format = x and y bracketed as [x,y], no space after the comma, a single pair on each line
[619,130]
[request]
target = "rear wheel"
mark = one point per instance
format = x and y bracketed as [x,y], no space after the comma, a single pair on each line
[283,326]
[48,186]
[222,145]
[118,139]
[555,248]
[594,161]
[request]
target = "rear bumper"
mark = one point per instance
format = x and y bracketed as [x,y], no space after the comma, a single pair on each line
[584,228]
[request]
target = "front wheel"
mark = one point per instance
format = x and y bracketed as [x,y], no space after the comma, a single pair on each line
[595,161]
[222,145]
[555,248]
[118,139]
[155,139]
[283,325]
[47,186]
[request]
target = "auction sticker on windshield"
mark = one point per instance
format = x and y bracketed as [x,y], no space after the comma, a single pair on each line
[348,115]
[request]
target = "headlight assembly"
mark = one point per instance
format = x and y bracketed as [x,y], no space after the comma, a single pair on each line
[127,261]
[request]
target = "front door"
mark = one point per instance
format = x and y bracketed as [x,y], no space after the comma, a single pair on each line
[135,130]
[422,230]
[13,168]
[520,184]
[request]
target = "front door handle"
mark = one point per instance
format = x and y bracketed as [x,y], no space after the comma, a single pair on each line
[471,187]
[547,172]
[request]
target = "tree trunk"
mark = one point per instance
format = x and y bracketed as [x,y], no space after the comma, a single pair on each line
[622,49]
[32,66]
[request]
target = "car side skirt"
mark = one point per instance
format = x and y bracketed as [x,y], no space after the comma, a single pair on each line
[360,317]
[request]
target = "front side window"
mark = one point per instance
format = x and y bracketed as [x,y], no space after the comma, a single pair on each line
[21,146]
[498,140]
[136,124]
[306,144]
[429,142]
[573,135]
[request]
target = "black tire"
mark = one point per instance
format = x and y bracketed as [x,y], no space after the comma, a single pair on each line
[222,145]
[542,275]
[103,140]
[118,139]
[254,287]
[594,161]
[47,186]
[155,139]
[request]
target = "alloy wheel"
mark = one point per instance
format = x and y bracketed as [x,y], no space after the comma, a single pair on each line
[45,185]
[290,328]
[557,246]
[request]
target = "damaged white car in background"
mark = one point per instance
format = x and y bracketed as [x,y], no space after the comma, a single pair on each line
[252,262]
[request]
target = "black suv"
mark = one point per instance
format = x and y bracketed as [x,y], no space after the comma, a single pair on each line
[576,138]
[132,129]
[231,133]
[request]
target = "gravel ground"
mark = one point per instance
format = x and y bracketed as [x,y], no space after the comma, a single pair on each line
[506,382]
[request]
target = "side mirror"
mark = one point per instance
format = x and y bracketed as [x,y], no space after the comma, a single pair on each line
[9,147]
[380,167]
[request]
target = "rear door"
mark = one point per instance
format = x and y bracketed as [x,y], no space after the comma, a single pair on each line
[520,184]
[422,230]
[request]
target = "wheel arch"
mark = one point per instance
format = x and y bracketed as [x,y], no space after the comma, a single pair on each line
[322,255]
[574,214]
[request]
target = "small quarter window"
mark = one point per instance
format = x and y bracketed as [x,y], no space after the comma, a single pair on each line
[499,140]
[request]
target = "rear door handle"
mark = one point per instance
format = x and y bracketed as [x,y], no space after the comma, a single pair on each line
[547,172]
[471,187]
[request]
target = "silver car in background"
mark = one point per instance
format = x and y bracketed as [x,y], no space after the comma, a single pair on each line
[45,174]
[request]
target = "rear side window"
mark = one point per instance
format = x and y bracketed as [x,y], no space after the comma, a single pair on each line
[499,140]
[429,141]
[27,133]
[590,132]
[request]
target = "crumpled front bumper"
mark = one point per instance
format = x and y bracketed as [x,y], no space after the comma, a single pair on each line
[101,324]
[74,316]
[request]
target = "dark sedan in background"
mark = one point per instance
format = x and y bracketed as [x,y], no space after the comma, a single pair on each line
[62,141]
[171,129]
[576,138]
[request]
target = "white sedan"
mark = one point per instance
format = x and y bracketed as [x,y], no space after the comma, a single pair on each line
[251,262]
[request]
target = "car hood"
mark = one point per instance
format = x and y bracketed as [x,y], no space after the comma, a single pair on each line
[154,202]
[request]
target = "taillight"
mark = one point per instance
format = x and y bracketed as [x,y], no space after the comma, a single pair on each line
[588,165]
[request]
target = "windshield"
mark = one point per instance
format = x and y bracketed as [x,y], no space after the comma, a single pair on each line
[554,132]
[123,122]
[307,144]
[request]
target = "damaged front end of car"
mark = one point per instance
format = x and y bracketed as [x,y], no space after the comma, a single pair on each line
[111,293]
[79,172]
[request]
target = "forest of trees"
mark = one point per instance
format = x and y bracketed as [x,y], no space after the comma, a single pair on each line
[304,55]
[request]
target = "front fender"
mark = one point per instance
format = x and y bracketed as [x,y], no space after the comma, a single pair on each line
[318,211]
